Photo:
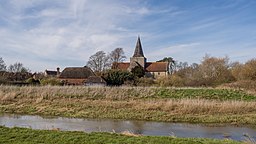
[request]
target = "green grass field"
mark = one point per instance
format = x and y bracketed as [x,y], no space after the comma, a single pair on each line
[204,93]
[28,136]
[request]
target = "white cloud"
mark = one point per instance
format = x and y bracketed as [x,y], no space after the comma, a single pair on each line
[73,29]
[63,33]
[175,49]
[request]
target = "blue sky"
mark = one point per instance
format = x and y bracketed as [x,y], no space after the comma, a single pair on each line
[45,34]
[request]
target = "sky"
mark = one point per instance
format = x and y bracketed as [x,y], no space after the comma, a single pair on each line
[46,34]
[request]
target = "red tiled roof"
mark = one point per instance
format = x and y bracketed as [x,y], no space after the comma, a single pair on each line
[150,66]
[123,65]
[156,66]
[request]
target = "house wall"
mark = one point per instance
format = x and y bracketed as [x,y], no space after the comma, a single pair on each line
[73,81]
[95,84]
[156,74]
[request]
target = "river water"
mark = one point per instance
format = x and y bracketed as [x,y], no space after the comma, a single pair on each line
[136,127]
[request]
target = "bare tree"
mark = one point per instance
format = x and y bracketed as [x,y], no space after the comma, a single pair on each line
[249,70]
[2,65]
[215,70]
[117,55]
[17,67]
[99,61]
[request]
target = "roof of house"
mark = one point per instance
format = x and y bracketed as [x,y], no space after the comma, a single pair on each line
[138,52]
[156,66]
[122,65]
[150,66]
[95,79]
[52,73]
[76,73]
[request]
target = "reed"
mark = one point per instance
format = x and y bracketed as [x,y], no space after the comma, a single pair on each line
[157,104]
[123,93]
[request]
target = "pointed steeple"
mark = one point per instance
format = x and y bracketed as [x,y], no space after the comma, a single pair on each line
[138,49]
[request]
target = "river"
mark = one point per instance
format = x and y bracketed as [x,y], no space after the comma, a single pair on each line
[134,126]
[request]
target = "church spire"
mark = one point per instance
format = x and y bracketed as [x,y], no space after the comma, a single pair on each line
[138,49]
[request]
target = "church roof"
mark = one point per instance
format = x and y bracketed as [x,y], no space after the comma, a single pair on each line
[150,66]
[122,65]
[138,49]
[156,66]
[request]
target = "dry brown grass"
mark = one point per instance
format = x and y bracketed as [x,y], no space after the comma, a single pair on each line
[112,93]
[9,93]
[246,85]
[125,98]
[97,102]
[192,106]
[129,133]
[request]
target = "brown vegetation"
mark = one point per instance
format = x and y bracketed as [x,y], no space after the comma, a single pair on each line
[123,103]
[246,85]
[211,72]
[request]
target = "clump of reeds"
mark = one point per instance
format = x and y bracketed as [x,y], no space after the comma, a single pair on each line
[129,133]
[249,140]
[197,106]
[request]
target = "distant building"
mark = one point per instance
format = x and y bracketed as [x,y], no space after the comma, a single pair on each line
[152,69]
[51,73]
[80,76]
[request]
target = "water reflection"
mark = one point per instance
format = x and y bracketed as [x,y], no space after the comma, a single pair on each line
[137,127]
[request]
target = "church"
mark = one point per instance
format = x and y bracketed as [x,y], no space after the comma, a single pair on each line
[151,69]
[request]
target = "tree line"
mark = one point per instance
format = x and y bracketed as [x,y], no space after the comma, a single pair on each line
[15,68]
[212,71]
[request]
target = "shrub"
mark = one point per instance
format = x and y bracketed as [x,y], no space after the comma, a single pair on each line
[117,77]
[249,70]
[32,81]
[145,82]
[51,81]
[173,80]
[138,71]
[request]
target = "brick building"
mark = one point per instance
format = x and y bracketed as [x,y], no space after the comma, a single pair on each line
[152,69]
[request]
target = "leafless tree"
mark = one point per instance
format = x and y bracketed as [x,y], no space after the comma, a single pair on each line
[2,65]
[116,56]
[249,70]
[17,67]
[215,70]
[99,61]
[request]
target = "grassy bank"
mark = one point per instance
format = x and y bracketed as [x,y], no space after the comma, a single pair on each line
[124,93]
[22,135]
[157,104]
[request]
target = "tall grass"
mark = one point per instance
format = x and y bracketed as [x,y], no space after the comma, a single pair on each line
[122,93]
[246,85]
[161,104]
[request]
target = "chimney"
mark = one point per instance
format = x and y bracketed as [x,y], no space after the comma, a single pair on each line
[58,71]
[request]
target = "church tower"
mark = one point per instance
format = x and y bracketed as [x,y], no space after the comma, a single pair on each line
[138,57]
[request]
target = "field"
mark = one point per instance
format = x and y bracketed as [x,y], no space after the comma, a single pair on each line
[194,105]
[22,135]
